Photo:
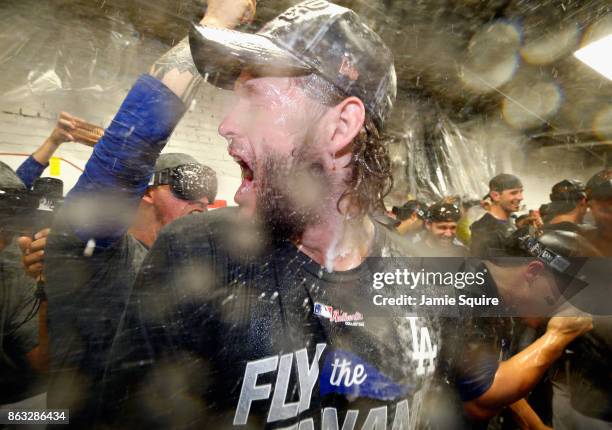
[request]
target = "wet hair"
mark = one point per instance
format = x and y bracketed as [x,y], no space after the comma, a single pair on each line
[371,179]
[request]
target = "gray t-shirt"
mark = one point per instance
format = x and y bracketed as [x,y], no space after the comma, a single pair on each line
[18,334]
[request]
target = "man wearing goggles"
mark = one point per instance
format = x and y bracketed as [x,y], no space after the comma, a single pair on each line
[113,215]
[126,195]
[180,186]
[102,271]
[441,226]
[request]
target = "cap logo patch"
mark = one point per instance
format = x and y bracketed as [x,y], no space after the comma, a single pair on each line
[347,69]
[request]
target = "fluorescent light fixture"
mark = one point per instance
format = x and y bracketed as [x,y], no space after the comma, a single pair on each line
[598,56]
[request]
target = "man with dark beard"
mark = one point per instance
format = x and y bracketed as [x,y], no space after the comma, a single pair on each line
[220,312]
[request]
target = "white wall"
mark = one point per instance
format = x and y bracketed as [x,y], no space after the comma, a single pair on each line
[23,128]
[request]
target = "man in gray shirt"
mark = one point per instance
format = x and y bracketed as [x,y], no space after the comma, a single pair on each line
[18,322]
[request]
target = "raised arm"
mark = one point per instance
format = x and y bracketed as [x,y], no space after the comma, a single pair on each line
[516,377]
[64,131]
[117,174]
[176,70]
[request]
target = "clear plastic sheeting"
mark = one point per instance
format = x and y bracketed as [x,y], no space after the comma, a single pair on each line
[69,49]
[133,302]
[444,158]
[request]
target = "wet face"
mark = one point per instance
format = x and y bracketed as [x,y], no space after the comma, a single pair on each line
[168,207]
[509,200]
[602,213]
[442,232]
[274,136]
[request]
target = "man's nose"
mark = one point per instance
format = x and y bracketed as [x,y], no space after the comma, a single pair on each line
[230,126]
[226,128]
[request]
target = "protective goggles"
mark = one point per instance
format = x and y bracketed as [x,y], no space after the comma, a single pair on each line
[444,213]
[187,181]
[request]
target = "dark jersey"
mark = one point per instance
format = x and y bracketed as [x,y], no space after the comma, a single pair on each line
[215,339]
[568,226]
[590,372]
[91,261]
[87,299]
[488,236]
[599,241]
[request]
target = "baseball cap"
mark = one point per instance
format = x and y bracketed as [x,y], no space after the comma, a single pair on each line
[9,179]
[407,209]
[188,179]
[314,36]
[504,181]
[565,196]
[443,212]
[173,159]
[15,198]
[568,190]
[599,187]
[582,274]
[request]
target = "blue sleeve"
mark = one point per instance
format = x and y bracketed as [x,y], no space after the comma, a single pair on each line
[477,376]
[470,354]
[122,163]
[30,170]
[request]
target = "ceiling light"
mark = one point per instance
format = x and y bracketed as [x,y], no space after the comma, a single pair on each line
[597,56]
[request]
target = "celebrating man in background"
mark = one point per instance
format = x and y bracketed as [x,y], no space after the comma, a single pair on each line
[490,231]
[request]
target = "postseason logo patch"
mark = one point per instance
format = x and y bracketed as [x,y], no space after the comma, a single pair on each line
[337,315]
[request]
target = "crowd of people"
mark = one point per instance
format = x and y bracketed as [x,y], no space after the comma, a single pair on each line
[480,228]
[133,306]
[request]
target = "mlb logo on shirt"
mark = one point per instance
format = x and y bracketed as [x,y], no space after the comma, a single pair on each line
[323,310]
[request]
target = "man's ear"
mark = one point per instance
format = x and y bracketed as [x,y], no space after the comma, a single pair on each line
[494,196]
[148,196]
[348,119]
[428,225]
[533,270]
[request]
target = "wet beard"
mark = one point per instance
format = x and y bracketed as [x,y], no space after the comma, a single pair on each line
[290,195]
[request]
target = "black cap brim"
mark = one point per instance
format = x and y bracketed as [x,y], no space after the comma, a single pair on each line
[220,55]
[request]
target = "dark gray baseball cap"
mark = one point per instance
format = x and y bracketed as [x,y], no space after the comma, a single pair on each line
[504,181]
[599,186]
[171,160]
[188,179]
[9,179]
[314,36]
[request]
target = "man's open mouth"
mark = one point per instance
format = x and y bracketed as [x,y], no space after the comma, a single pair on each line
[247,171]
